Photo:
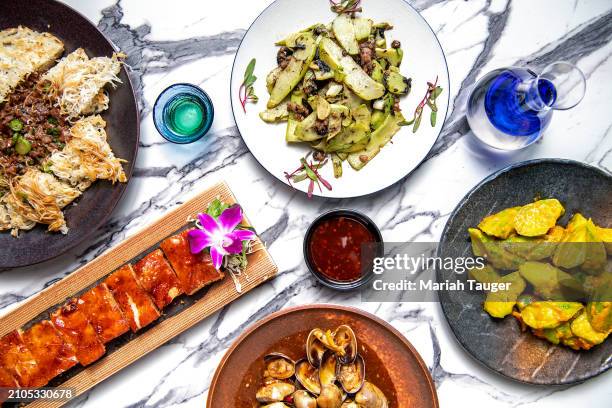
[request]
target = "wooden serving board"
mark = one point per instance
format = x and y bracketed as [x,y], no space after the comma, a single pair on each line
[182,314]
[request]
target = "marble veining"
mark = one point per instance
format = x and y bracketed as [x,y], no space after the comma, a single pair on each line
[165,46]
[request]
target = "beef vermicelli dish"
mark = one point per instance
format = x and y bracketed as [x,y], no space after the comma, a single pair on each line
[53,143]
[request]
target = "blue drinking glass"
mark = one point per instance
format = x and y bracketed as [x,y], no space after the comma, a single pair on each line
[183,113]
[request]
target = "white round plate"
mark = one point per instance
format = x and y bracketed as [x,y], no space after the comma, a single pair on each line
[423,61]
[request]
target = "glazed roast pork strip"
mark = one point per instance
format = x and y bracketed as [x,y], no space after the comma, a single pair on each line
[131,297]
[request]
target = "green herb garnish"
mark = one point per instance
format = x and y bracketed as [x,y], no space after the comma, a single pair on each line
[216,207]
[246,92]
[309,171]
[433,91]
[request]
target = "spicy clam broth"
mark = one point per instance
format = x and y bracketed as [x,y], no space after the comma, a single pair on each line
[293,346]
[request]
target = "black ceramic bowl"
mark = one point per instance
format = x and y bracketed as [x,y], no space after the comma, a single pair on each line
[377,249]
[499,343]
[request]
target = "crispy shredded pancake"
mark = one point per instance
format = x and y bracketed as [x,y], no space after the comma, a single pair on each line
[50,150]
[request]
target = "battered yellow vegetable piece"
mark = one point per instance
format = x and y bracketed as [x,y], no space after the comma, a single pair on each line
[555,335]
[548,314]
[528,239]
[555,234]
[549,282]
[572,250]
[599,309]
[493,251]
[563,334]
[546,248]
[582,328]
[525,300]
[484,275]
[501,224]
[599,286]
[521,246]
[500,258]
[500,304]
[535,248]
[605,234]
[537,218]
[596,256]
[477,239]
[577,343]
[577,221]
[600,316]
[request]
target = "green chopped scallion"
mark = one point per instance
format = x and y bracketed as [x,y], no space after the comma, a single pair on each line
[53,132]
[23,146]
[16,125]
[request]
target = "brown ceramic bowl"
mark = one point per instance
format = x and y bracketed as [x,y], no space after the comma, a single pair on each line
[391,361]
[94,207]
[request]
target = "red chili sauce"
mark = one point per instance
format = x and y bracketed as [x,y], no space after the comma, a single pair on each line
[335,248]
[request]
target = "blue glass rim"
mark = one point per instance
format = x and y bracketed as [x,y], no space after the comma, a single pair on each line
[166,96]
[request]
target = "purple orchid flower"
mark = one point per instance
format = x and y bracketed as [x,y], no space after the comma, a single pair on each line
[221,235]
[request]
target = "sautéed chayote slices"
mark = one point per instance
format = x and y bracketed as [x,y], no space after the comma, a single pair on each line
[560,277]
[338,85]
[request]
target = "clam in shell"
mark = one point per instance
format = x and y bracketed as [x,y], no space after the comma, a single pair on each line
[308,376]
[352,375]
[345,339]
[274,392]
[279,366]
[331,397]
[327,371]
[315,347]
[303,399]
[370,396]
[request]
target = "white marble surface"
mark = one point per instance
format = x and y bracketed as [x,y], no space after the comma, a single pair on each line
[194,41]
